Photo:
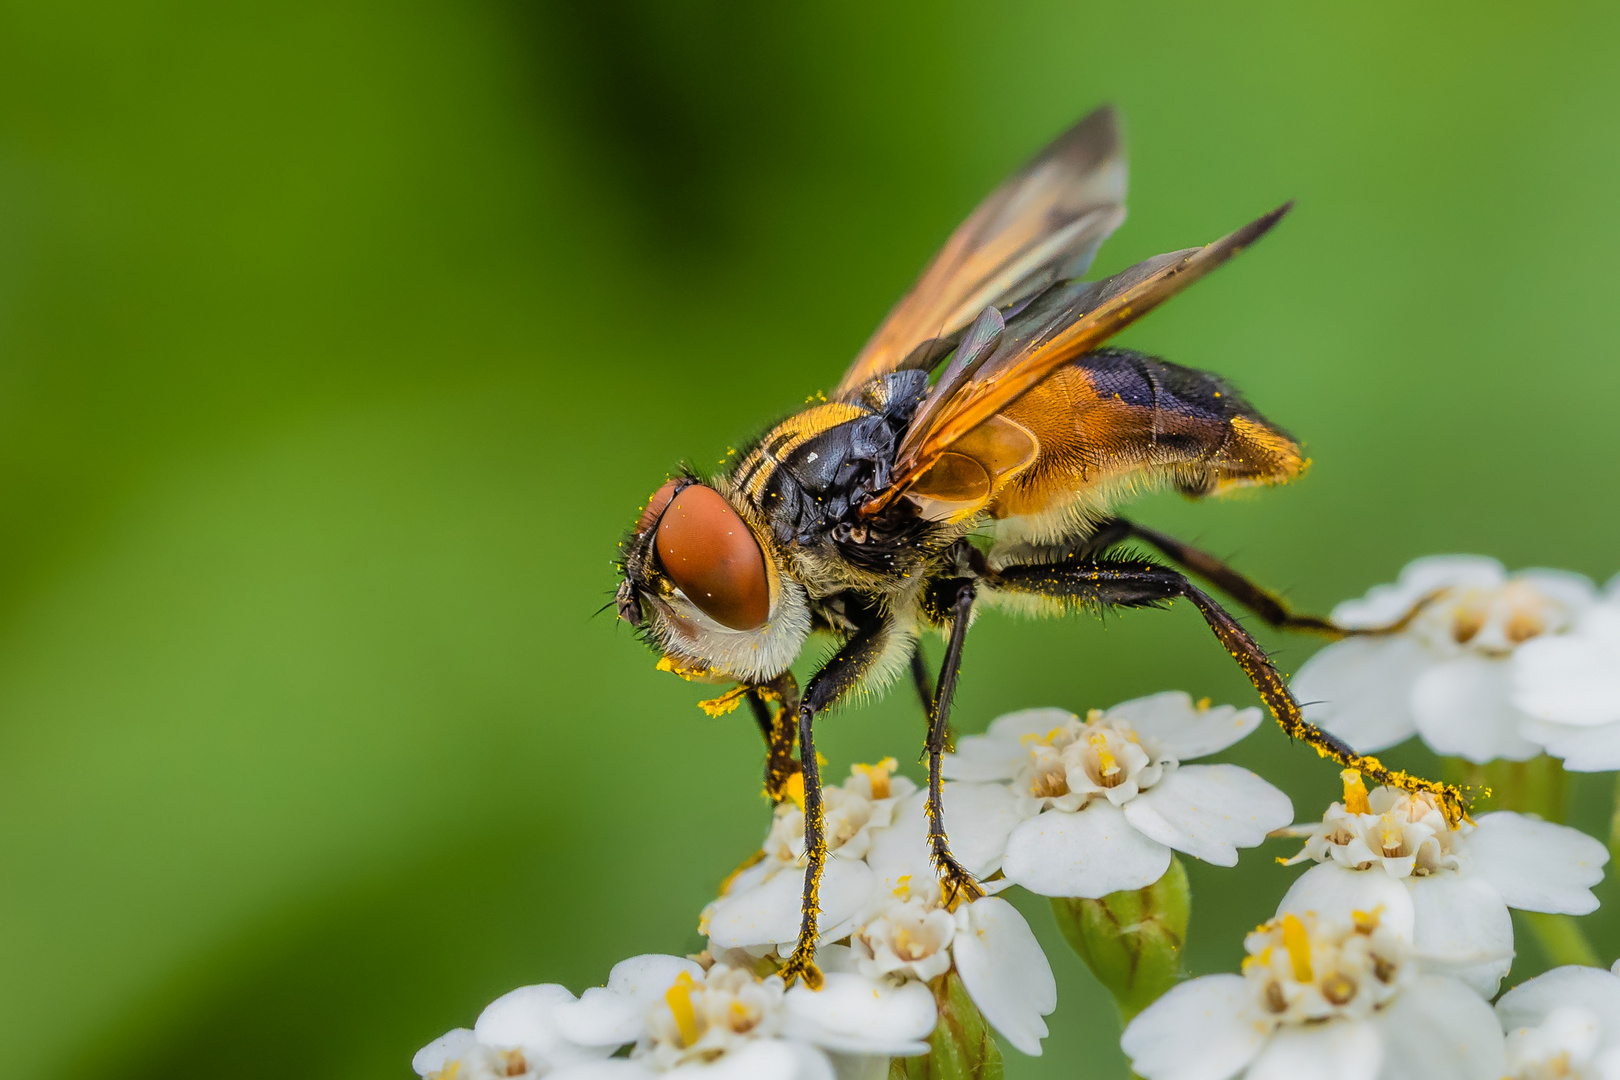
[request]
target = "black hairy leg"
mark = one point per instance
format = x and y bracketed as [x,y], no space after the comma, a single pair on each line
[1101,583]
[955,883]
[1258,599]
[838,675]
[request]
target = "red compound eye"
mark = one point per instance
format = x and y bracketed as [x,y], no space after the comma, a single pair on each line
[710,553]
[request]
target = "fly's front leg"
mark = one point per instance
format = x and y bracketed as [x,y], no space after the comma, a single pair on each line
[919,679]
[1109,583]
[955,883]
[840,674]
[780,731]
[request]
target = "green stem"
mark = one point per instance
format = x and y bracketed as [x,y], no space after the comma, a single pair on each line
[1561,939]
[1614,822]
[1538,786]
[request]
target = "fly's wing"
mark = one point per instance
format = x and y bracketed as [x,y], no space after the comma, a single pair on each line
[966,406]
[1042,225]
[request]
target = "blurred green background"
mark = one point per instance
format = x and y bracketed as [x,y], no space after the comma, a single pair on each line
[339,341]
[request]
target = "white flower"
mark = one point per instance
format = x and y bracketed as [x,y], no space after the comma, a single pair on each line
[1446,891]
[1318,1001]
[1570,686]
[1563,1025]
[900,932]
[758,909]
[1445,674]
[995,954]
[1104,801]
[535,1029]
[682,1020]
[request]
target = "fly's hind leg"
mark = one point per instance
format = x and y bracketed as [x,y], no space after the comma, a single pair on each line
[955,883]
[1119,583]
[1258,599]
[840,674]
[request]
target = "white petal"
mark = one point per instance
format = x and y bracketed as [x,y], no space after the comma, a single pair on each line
[1438,1029]
[1384,604]
[1458,922]
[1360,689]
[613,1015]
[978,819]
[900,850]
[1536,865]
[1484,979]
[1335,892]
[1583,749]
[1209,811]
[1202,1029]
[769,913]
[1004,971]
[527,1018]
[1184,729]
[611,1069]
[1529,1003]
[1462,706]
[854,1014]
[1338,1050]
[450,1046]
[1572,678]
[1013,726]
[997,754]
[776,1059]
[1087,853]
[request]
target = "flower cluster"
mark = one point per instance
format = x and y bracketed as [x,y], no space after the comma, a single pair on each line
[1447,890]
[679,1015]
[1481,663]
[1379,963]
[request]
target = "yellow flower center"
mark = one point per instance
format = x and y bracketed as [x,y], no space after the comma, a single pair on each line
[878,775]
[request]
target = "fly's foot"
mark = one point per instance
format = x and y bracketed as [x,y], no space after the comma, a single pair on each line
[801,965]
[956,885]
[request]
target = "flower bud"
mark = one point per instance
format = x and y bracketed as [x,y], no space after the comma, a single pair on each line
[961,1047]
[1132,939]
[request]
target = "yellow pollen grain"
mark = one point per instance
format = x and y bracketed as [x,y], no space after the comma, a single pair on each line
[1204,703]
[679,999]
[902,887]
[1367,921]
[1355,792]
[1298,945]
[878,775]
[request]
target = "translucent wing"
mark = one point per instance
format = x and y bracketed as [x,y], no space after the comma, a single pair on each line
[1042,225]
[1050,330]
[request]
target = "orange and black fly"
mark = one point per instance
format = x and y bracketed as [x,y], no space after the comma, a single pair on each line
[973,454]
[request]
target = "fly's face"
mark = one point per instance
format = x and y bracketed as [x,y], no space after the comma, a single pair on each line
[708,588]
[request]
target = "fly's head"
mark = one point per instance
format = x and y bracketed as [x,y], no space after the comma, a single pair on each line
[707,587]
